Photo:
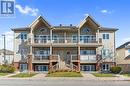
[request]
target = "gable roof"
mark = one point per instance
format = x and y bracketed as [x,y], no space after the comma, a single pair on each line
[20,29]
[85,20]
[43,19]
[125,45]
[63,27]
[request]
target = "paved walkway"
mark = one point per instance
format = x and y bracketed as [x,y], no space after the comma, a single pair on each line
[89,76]
[39,76]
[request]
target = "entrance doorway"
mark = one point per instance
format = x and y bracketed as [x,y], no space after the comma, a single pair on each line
[41,68]
[88,68]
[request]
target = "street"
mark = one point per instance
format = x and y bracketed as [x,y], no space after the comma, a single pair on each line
[60,82]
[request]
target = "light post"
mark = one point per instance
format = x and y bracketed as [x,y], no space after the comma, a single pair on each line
[4,50]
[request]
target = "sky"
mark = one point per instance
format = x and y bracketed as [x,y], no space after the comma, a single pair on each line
[108,13]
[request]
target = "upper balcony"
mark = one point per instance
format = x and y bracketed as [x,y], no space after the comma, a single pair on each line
[90,40]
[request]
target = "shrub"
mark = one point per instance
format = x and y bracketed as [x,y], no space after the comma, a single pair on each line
[115,70]
[6,69]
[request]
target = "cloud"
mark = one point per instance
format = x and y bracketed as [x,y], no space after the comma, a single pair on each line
[27,10]
[9,40]
[104,11]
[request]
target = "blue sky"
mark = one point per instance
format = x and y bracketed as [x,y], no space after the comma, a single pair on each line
[108,13]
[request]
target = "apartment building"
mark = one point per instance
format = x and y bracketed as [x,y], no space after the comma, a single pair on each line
[42,46]
[123,57]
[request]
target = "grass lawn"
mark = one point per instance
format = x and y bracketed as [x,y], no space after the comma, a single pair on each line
[103,75]
[3,74]
[24,75]
[64,74]
[126,75]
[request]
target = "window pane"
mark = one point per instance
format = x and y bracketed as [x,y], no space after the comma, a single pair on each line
[107,36]
[103,36]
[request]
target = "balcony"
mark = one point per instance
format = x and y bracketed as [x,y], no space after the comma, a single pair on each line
[74,58]
[88,59]
[84,40]
[40,58]
[41,39]
[65,40]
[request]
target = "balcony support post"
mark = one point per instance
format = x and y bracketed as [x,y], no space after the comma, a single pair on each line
[97,36]
[65,38]
[50,50]
[51,35]
[78,35]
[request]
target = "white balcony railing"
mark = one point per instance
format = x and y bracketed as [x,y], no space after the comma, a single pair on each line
[65,40]
[88,58]
[74,57]
[41,57]
[62,39]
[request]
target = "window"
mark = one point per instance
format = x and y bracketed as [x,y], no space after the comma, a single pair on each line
[88,52]
[129,50]
[105,67]
[23,67]
[86,30]
[41,68]
[23,36]
[43,30]
[74,39]
[105,52]
[105,36]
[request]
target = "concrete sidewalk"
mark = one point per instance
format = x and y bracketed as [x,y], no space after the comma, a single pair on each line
[89,76]
[86,76]
[39,76]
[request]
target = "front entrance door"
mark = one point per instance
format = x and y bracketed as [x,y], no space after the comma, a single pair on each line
[87,67]
[41,68]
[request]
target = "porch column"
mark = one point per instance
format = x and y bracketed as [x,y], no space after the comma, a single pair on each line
[51,35]
[65,37]
[51,50]
[78,50]
[97,36]
[30,66]
[50,64]
[78,58]
[78,35]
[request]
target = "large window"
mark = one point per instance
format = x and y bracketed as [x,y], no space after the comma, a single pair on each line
[105,36]
[74,38]
[23,67]
[41,68]
[105,52]
[88,52]
[87,38]
[41,38]
[87,68]
[23,36]
[105,67]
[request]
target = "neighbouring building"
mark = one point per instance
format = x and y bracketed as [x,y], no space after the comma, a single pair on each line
[42,46]
[9,55]
[123,57]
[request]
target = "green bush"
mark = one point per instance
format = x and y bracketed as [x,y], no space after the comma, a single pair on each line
[6,69]
[115,70]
